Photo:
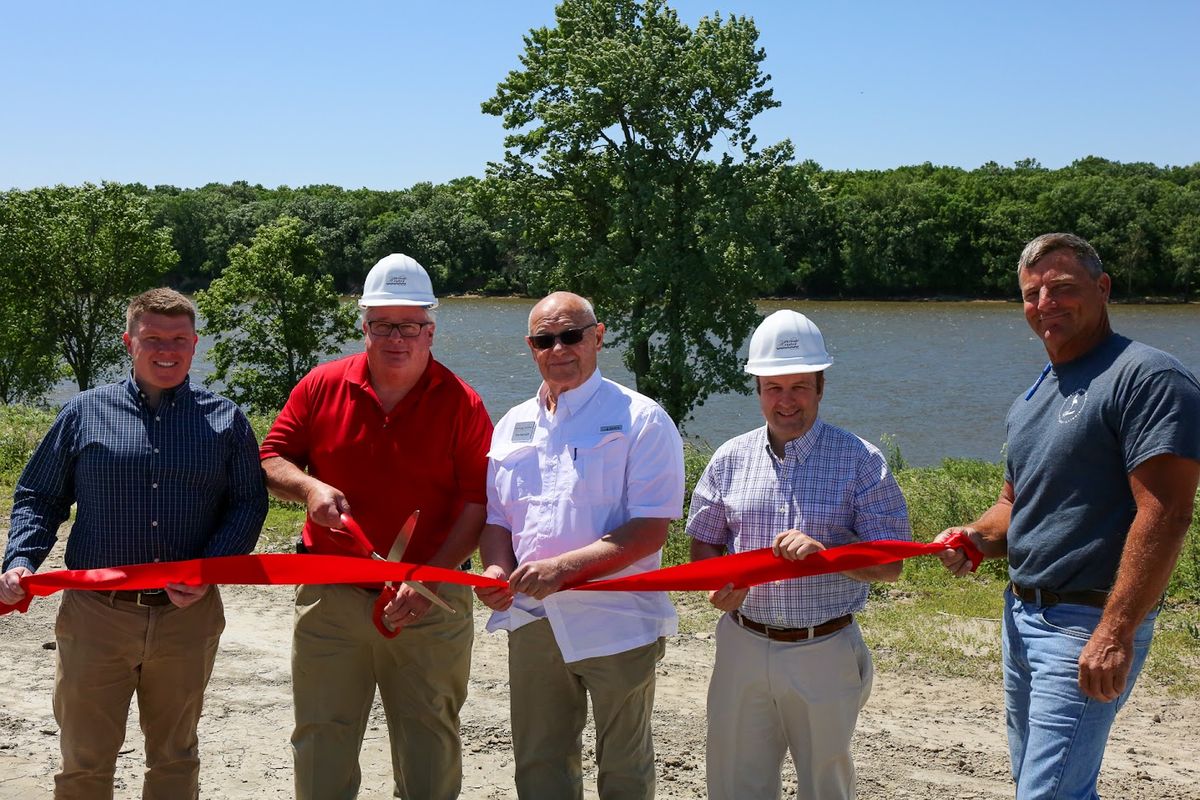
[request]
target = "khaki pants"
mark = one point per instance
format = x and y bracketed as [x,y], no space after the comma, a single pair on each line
[338,658]
[549,709]
[107,650]
[767,698]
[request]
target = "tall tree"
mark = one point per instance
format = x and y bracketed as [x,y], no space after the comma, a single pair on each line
[29,363]
[612,115]
[94,248]
[272,314]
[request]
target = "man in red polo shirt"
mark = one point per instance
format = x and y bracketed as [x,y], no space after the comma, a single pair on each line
[379,435]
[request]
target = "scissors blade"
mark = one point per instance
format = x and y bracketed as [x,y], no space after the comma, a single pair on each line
[397,554]
[404,537]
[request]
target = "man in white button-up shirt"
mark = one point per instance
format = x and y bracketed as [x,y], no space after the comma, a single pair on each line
[583,481]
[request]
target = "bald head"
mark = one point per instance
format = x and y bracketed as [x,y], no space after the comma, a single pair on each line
[564,365]
[566,303]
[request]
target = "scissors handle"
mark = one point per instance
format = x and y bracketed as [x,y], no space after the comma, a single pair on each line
[385,597]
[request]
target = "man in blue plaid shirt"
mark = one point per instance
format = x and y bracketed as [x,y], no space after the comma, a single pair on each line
[792,671]
[159,470]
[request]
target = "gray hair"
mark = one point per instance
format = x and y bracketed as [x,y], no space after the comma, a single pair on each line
[1047,243]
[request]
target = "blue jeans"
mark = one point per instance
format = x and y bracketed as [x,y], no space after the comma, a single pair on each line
[1056,733]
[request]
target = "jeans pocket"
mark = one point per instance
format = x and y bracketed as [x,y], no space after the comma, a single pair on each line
[1071,620]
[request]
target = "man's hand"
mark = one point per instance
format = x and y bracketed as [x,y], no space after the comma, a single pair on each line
[406,607]
[1104,667]
[326,504]
[538,579]
[497,598]
[728,598]
[183,595]
[954,558]
[794,545]
[11,592]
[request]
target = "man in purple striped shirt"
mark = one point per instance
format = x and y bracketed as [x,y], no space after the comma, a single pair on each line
[792,671]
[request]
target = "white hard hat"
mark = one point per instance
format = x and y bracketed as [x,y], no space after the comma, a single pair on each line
[784,343]
[398,280]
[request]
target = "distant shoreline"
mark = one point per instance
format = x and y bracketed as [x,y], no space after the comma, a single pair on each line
[1151,300]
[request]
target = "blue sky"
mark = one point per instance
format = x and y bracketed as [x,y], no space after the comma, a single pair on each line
[386,94]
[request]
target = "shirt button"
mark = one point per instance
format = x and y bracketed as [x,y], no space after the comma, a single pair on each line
[156,419]
[154,524]
[154,486]
[156,449]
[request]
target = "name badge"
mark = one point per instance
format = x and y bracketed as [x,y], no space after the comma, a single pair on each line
[611,428]
[523,432]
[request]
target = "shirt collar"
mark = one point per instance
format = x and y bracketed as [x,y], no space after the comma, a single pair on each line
[798,449]
[358,373]
[573,400]
[181,392]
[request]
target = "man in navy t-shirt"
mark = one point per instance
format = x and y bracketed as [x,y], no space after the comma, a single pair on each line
[1100,481]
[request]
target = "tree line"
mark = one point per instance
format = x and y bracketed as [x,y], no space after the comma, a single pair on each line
[915,231]
[630,175]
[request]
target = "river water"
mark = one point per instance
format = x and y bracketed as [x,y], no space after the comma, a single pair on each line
[937,377]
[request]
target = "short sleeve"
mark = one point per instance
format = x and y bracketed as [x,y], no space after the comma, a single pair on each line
[654,470]
[470,456]
[880,511]
[707,517]
[290,434]
[1161,417]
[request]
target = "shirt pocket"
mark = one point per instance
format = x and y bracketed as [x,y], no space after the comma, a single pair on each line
[599,463]
[517,475]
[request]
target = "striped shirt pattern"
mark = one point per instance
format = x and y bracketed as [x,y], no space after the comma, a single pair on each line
[179,482]
[830,485]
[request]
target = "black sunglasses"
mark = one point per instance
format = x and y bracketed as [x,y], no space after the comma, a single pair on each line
[544,341]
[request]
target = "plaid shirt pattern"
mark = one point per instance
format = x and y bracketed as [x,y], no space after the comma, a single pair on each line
[177,482]
[830,485]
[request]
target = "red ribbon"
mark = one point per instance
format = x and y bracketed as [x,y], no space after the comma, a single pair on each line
[279,568]
[761,566]
[741,569]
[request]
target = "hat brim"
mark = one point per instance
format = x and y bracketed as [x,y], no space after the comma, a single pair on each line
[789,369]
[378,303]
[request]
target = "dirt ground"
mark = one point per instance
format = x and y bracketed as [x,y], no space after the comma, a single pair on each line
[917,738]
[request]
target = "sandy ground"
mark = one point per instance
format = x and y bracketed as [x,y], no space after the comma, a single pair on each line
[917,738]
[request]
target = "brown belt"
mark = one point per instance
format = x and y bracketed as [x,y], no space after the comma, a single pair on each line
[792,634]
[153,597]
[1096,598]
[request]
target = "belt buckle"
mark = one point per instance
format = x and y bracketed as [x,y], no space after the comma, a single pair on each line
[801,634]
[144,592]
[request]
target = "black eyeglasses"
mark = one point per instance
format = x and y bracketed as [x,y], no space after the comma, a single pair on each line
[384,329]
[544,341]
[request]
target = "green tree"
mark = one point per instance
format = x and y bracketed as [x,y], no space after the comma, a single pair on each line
[612,115]
[439,227]
[29,364]
[87,250]
[271,315]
